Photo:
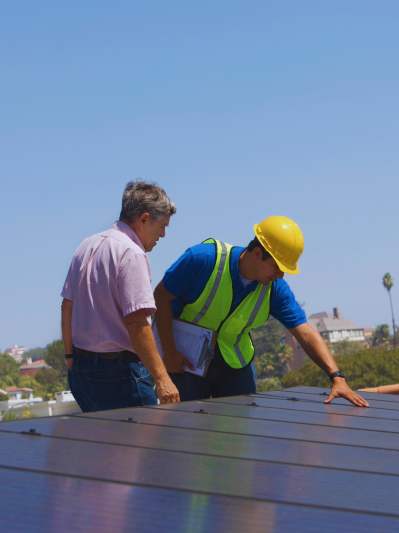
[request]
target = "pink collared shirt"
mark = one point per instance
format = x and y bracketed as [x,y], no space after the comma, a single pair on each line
[109,278]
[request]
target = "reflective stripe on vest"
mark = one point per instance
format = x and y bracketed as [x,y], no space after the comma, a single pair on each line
[216,284]
[251,319]
[212,310]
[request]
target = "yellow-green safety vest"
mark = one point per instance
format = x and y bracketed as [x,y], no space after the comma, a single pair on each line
[212,310]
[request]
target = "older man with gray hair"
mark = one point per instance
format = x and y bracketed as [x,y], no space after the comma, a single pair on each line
[107,305]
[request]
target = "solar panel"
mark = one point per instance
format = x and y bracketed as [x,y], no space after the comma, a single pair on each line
[276,449]
[217,424]
[295,403]
[249,463]
[284,412]
[321,396]
[58,504]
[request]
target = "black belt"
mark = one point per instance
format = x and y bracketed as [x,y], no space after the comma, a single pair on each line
[125,355]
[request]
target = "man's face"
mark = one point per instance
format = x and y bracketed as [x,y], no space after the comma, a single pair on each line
[266,270]
[151,229]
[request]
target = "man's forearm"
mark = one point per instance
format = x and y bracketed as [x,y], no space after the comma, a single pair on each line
[66,325]
[315,347]
[144,345]
[318,351]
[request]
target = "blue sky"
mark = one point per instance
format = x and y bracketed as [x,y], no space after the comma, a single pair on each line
[239,109]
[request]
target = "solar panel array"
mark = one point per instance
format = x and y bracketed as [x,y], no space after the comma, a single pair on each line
[276,461]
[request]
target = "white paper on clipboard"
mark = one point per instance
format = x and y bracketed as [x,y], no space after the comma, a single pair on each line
[194,342]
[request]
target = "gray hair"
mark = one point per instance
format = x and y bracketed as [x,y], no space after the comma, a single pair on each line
[142,197]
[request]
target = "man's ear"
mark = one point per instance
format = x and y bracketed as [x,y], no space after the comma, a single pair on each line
[144,218]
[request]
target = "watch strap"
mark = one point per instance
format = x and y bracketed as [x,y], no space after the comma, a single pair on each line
[336,374]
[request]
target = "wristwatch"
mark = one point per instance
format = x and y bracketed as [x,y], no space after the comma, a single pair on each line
[68,356]
[336,374]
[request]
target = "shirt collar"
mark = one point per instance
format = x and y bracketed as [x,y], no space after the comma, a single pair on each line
[127,230]
[235,270]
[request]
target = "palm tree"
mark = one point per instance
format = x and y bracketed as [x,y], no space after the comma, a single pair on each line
[387,281]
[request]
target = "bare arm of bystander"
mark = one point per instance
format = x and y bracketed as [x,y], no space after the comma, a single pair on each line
[66,328]
[383,389]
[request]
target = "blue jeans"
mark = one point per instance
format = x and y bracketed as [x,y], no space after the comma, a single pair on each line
[220,380]
[99,384]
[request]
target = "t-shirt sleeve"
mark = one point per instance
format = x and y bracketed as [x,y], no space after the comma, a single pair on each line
[67,289]
[284,307]
[187,277]
[134,284]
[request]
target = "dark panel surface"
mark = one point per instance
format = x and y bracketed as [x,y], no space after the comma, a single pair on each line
[375,403]
[54,504]
[219,444]
[313,407]
[261,412]
[373,493]
[369,395]
[264,462]
[229,424]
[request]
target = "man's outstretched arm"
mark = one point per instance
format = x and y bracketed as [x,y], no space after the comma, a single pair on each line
[318,351]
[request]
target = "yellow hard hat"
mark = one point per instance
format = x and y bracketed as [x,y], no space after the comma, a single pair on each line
[283,239]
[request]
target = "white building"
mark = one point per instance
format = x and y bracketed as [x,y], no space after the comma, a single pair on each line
[334,329]
[16,352]
[64,396]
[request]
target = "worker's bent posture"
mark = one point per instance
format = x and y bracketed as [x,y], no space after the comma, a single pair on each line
[231,290]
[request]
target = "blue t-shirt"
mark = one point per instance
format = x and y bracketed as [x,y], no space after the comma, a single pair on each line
[187,277]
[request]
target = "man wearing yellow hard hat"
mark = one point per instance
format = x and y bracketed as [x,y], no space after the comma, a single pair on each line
[231,290]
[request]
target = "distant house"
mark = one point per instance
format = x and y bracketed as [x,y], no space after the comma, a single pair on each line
[334,329]
[31,368]
[20,396]
[19,393]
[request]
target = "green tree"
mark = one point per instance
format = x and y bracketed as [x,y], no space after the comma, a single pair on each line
[368,368]
[272,354]
[264,385]
[9,371]
[387,282]
[55,357]
[50,382]
[381,336]
[35,353]
[9,416]
[3,397]
[346,347]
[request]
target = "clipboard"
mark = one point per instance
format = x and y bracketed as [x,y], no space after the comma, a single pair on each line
[194,342]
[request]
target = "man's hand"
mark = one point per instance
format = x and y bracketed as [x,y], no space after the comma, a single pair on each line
[316,348]
[176,362]
[340,389]
[166,390]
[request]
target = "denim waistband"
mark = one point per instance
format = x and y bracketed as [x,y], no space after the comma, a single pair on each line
[124,354]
